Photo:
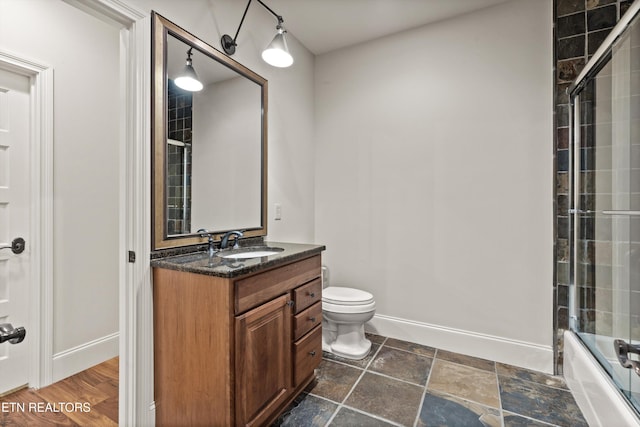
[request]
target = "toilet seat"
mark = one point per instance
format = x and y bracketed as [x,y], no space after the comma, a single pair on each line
[346,296]
[338,299]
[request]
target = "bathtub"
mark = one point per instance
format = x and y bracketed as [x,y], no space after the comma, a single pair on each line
[601,402]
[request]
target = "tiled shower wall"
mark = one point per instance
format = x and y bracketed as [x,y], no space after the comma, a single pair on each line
[180,125]
[580,28]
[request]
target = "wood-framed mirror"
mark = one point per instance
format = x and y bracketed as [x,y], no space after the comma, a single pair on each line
[209,161]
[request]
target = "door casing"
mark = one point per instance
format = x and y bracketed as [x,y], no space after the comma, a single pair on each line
[41,207]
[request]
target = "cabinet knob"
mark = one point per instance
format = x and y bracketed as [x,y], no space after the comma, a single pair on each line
[312,294]
[291,303]
[312,353]
[312,319]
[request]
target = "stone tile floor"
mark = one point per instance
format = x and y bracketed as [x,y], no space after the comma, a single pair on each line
[405,384]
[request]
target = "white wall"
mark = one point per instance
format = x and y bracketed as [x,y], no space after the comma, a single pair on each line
[86,171]
[432,159]
[290,139]
[434,180]
[226,182]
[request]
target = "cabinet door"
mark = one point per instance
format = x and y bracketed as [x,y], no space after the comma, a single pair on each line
[263,360]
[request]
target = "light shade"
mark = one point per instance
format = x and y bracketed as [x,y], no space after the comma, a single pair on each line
[188,79]
[277,53]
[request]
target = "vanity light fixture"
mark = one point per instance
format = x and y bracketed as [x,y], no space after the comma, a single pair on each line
[188,80]
[276,53]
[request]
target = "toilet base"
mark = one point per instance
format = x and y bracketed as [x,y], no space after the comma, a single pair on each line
[348,341]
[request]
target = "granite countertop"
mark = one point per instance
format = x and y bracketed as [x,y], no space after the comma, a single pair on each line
[201,263]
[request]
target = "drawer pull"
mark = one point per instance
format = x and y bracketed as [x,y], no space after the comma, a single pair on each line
[312,294]
[291,303]
[312,319]
[312,353]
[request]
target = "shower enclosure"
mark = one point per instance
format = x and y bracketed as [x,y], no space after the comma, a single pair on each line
[178,187]
[605,207]
[179,159]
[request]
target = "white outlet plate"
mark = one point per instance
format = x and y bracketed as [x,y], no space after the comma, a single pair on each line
[278,212]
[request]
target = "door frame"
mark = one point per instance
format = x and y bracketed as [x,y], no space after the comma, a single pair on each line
[40,316]
[136,406]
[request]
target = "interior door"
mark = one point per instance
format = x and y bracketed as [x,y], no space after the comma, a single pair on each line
[14,225]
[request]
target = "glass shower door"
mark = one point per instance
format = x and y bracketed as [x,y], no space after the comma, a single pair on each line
[606,214]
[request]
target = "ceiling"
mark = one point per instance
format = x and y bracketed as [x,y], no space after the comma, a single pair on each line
[326,25]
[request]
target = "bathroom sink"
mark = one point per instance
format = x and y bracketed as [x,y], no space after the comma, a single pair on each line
[251,252]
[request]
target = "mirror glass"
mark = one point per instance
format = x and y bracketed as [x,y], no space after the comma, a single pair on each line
[209,145]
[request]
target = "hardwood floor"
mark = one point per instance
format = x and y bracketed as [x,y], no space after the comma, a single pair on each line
[89,398]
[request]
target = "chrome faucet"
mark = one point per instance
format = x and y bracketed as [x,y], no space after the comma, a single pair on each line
[225,239]
[204,233]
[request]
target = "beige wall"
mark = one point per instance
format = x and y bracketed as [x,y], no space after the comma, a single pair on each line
[422,160]
[84,53]
[226,159]
[433,180]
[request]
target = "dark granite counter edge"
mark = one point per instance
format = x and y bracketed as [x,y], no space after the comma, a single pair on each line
[293,252]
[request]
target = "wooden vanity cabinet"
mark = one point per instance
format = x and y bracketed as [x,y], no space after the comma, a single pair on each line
[235,351]
[263,360]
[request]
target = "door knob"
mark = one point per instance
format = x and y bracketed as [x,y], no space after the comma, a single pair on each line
[11,334]
[17,245]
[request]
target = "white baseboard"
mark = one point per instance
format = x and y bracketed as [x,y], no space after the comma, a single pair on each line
[513,352]
[77,359]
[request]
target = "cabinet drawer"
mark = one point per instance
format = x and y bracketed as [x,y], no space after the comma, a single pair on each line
[260,288]
[307,355]
[307,320]
[308,294]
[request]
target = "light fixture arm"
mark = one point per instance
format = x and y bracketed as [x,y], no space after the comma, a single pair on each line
[246,9]
[229,44]
[279,17]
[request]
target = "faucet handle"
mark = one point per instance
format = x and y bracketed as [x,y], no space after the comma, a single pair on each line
[238,235]
[204,232]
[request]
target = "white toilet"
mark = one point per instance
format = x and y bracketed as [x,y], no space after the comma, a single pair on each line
[344,312]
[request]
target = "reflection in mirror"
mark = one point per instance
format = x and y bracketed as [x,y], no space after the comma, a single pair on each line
[214,147]
[209,145]
[178,185]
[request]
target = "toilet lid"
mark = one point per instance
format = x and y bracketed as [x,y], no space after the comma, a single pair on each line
[345,296]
